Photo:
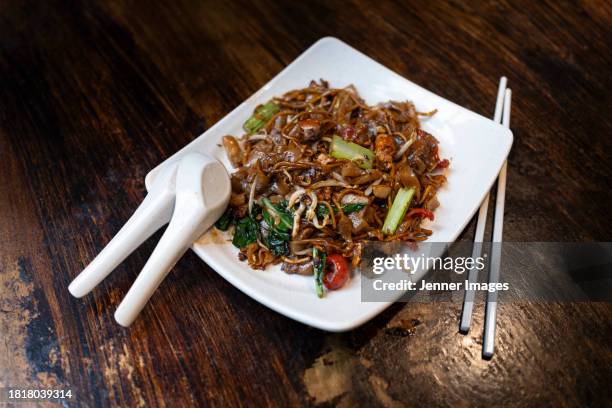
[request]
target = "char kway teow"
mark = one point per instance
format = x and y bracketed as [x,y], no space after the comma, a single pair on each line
[318,172]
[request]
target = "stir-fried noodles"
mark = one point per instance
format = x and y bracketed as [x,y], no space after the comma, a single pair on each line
[318,172]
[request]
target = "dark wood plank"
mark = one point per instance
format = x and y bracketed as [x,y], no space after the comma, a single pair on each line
[93,95]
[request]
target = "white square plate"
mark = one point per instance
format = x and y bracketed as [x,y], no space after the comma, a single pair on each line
[476,146]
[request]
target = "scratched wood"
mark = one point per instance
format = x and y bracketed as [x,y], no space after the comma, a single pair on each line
[93,95]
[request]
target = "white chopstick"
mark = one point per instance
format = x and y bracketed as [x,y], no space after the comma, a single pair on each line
[488,343]
[468,300]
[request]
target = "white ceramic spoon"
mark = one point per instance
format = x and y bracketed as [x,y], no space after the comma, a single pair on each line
[197,188]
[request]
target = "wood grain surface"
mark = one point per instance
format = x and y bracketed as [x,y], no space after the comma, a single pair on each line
[93,95]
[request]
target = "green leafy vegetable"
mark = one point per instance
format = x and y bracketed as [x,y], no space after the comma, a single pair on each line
[276,227]
[319,258]
[322,210]
[341,149]
[351,208]
[261,116]
[246,232]
[277,216]
[225,220]
[398,210]
[277,242]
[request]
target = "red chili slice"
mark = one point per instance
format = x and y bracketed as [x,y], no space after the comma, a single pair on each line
[442,164]
[336,272]
[422,212]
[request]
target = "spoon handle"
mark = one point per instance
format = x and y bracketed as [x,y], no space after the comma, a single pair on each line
[154,212]
[177,238]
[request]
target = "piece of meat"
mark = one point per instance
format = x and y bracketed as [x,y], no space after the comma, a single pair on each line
[311,129]
[233,150]
[304,268]
[423,153]
[385,148]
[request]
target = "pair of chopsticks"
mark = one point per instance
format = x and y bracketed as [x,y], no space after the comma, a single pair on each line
[502,114]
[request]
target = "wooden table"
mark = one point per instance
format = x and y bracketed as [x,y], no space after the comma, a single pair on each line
[94,95]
